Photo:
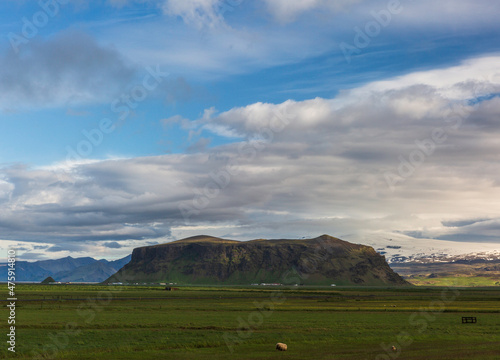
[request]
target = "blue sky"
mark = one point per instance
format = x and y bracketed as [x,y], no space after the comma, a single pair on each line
[116,116]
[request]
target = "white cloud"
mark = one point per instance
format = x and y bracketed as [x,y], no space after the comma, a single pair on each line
[408,99]
[217,52]
[287,10]
[472,78]
[199,13]
[459,14]
[210,13]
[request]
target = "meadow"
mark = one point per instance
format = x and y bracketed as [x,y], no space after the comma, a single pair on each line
[147,322]
[455,280]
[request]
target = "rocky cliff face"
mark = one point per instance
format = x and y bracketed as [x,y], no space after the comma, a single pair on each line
[207,260]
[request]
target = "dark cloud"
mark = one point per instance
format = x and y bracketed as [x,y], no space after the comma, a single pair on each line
[112,245]
[56,249]
[177,90]
[67,246]
[71,68]
[461,223]
[470,238]
[199,146]
[32,256]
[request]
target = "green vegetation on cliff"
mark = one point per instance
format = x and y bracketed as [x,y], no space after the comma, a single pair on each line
[207,260]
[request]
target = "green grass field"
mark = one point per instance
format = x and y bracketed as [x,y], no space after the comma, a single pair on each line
[460,281]
[135,322]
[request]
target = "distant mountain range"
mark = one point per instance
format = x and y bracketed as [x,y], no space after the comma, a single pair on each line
[441,257]
[203,260]
[68,269]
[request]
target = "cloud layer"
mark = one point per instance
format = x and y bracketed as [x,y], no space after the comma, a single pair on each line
[416,155]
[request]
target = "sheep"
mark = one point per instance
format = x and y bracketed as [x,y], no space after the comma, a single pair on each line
[281,347]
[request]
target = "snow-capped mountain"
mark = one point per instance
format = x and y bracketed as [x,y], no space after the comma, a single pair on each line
[399,248]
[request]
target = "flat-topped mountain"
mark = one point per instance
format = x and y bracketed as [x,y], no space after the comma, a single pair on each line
[204,259]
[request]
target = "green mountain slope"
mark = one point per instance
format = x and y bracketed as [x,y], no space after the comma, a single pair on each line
[200,260]
[48,280]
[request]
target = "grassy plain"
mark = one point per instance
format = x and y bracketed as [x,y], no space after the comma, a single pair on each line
[478,273]
[142,322]
[456,280]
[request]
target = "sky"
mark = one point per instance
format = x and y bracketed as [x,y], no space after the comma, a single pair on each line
[131,123]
